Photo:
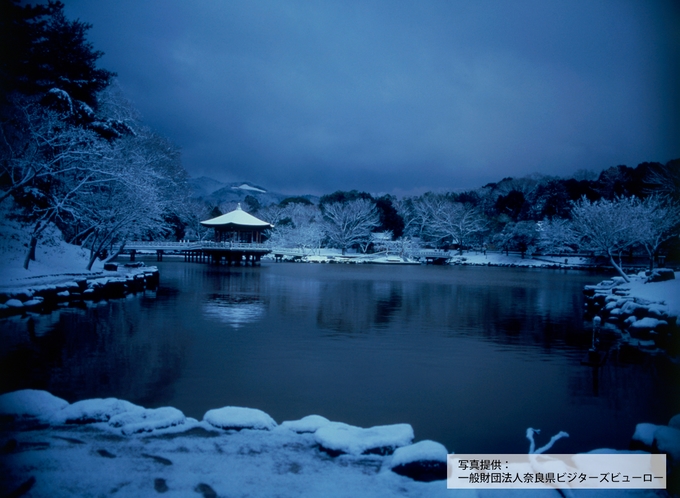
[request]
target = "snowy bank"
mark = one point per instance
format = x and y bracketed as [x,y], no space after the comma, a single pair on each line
[470,258]
[645,310]
[102,447]
[44,293]
[58,276]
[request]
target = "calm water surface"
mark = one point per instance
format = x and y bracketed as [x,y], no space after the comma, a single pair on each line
[470,356]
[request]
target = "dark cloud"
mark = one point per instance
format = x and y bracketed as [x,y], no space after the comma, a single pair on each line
[314,96]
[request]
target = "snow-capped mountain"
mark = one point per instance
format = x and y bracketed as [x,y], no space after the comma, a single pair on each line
[217,192]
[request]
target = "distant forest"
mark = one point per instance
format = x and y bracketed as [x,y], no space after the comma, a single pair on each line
[621,210]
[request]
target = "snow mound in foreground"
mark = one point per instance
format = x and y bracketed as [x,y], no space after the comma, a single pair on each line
[147,420]
[238,418]
[310,423]
[31,403]
[421,451]
[336,438]
[91,411]
[120,415]
[422,461]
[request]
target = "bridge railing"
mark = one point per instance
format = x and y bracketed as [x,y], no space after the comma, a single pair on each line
[234,245]
[193,246]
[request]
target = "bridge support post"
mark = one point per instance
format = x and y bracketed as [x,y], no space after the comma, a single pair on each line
[133,253]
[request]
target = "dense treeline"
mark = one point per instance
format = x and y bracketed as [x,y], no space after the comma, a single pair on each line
[621,209]
[72,151]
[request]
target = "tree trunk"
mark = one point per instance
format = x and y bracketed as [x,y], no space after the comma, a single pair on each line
[30,255]
[618,268]
[651,258]
[93,257]
[116,254]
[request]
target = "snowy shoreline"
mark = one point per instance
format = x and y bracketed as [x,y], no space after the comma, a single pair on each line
[644,311]
[55,448]
[109,446]
[45,293]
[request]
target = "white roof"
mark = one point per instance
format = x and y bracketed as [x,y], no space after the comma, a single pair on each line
[236,217]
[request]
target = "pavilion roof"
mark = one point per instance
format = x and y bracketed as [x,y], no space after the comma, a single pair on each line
[236,218]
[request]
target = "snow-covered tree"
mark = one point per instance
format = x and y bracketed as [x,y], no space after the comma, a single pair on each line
[42,49]
[458,221]
[46,162]
[72,154]
[665,179]
[350,223]
[606,226]
[556,235]
[657,220]
[194,211]
[522,236]
[295,225]
[418,212]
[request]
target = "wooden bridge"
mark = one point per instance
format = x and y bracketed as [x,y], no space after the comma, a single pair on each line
[237,252]
[215,252]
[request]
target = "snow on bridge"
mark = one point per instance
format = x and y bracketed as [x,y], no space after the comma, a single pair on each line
[231,252]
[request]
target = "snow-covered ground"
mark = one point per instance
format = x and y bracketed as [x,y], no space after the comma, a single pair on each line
[667,292]
[107,447]
[467,258]
[103,447]
[646,309]
[56,261]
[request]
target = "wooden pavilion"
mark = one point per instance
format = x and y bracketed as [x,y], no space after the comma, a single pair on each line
[238,226]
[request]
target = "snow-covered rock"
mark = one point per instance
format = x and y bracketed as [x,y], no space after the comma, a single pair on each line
[93,410]
[337,438]
[422,461]
[674,421]
[661,275]
[633,308]
[310,423]
[667,440]
[147,420]
[644,435]
[238,418]
[31,403]
[647,323]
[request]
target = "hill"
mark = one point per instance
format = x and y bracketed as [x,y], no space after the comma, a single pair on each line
[216,192]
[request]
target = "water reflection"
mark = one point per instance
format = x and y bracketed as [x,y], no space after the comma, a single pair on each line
[110,349]
[470,357]
[235,311]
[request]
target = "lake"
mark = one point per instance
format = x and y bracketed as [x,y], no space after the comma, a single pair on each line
[469,356]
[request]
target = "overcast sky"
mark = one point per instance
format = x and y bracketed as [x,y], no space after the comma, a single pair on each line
[397,96]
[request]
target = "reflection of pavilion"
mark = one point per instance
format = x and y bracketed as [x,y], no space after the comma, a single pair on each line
[238,237]
[234,311]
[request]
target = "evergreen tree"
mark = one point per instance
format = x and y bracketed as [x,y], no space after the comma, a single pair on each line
[42,50]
